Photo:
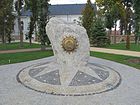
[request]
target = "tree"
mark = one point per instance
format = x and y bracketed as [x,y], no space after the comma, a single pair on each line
[18,7]
[6,20]
[43,20]
[109,22]
[137,20]
[122,26]
[32,5]
[3,15]
[112,10]
[88,16]
[128,20]
[98,33]
[10,23]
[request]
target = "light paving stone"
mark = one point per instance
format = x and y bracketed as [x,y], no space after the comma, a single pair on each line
[13,93]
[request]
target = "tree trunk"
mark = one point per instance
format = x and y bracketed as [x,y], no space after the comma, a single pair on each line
[9,41]
[128,37]
[121,27]
[115,33]
[3,39]
[20,31]
[43,47]
[109,34]
[30,41]
[36,37]
[128,42]
[137,40]
[9,38]
[3,36]
[19,23]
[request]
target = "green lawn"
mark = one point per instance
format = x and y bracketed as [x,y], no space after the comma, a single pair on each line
[24,56]
[121,46]
[28,56]
[14,46]
[117,58]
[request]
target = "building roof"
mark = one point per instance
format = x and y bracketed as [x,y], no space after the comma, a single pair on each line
[63,9]
[67,9]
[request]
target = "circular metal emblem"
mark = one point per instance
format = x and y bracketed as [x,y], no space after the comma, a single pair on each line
[69,44]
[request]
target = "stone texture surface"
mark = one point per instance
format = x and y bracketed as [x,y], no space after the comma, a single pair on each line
[13,93]
[57,30]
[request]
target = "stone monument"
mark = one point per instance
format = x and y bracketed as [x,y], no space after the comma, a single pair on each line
[70,72]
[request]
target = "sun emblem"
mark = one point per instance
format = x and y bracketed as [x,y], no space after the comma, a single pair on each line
[69,44]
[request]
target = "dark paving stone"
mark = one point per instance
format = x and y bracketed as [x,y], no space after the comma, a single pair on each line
[50,78]
[79,79]
[82,78]
[102,74]
[35,71]
[99,70]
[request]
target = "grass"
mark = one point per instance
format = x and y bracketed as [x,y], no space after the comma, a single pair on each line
[16,45]
[117,58]
[24,56]
[28,56]
[122,46]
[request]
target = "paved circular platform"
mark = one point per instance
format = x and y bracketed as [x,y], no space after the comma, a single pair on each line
[127,93]
[91,79]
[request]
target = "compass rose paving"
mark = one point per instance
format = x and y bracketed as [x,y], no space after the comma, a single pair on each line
[14,93]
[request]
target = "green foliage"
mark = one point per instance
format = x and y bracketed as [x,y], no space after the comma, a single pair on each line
[6,20]
[32,5]
[112,10]
[98,34]
[88,16]
[43,20]
[137,19]
[109,22]
[39,19]
[115,10]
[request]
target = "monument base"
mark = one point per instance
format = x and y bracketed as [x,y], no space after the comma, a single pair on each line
[46,78]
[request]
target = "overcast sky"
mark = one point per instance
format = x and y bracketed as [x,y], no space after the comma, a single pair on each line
[69,1]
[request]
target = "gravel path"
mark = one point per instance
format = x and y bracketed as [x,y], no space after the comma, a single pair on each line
[14,93]
[113,51]
[21,50]
[104,50]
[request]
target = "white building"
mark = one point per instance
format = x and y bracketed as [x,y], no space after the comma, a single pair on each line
[67,12]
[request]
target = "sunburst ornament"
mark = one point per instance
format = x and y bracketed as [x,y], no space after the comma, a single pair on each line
[69,44]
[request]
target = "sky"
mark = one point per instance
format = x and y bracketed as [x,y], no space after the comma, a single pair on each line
[69,1]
